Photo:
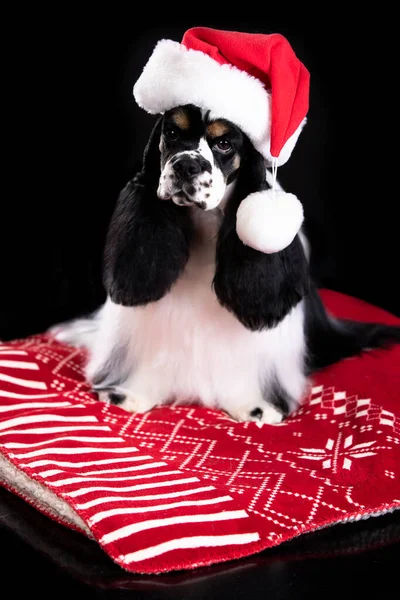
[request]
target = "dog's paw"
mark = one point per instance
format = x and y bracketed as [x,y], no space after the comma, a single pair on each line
[264,414]
[135,403]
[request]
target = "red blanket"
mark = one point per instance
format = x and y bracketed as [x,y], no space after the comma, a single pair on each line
[182,487]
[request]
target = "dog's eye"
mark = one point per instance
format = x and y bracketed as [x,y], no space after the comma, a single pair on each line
[171,135]
[223,146]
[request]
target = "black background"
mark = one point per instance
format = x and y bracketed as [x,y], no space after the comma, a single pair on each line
[71,132]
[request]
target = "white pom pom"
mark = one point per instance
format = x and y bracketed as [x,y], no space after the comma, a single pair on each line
[268,221]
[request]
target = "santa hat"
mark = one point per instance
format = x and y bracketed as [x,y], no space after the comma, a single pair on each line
[253,80]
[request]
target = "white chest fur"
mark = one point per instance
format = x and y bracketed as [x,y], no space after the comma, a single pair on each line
[186,347]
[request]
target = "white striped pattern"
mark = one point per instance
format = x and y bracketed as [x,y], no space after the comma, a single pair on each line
[86,463]
[200,541]
[140,477]
[130,511]
[7,394]
[74,451]
[73,438]
[44,430]
[36,385]
[103,471]
[50,473]
[124,470]
[40,429]
[45,418]
[15,364]
[112,499]
[144,525]
[131,488]
[24,405]
[70,480]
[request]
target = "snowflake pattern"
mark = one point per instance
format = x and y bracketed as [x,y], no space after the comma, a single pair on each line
[337,455]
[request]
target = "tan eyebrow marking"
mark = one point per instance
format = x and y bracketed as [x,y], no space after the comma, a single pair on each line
[181,119]
[217,128]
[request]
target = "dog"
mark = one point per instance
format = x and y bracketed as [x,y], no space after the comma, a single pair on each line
[192,313]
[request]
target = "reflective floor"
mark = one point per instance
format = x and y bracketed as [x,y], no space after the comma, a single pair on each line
[356,560]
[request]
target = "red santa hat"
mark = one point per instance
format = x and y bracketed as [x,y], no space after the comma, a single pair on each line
[253,80]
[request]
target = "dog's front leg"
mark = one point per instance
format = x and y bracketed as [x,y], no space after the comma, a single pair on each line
[116,369]
[108,364]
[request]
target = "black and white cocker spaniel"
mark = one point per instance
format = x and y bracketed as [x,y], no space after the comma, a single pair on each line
[192,313]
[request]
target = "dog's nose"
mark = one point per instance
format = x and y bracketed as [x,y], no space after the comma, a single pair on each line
[187,168]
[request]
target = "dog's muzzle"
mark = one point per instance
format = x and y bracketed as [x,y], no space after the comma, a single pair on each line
[187,168]
[186,179]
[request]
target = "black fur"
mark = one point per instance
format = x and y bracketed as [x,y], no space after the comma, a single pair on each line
[116,399]
[330,340]
[112,372]
[260,289]
[147,245]
[279,398]
[257,413]
[275,395]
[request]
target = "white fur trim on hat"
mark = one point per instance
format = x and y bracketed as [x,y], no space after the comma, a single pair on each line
[175,75]
[268,221]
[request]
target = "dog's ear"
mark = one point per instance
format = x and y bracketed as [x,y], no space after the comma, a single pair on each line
[147,244]
[260,289]
[152,155]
